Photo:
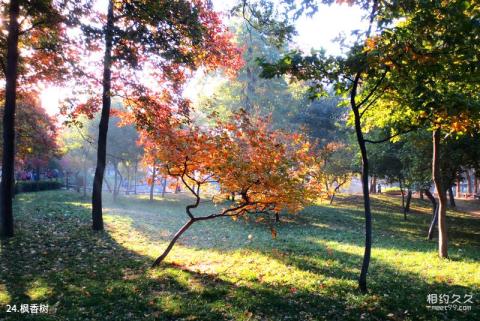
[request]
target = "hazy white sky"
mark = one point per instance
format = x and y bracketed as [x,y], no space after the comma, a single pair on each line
[316,32]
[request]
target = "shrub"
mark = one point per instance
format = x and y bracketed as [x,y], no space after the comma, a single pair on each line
[32,186]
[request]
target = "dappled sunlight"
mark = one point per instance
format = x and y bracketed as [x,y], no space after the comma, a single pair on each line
[5,297]
[426,264]
[239,265]
[39,290]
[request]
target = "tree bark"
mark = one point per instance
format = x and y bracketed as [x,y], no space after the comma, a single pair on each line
[409,200]
[172,242]
[153,182]
[469,182]
[431,229]
[451,197]
[458,187]
[442,197]
[115,188]
[434,213]
[8,158]
[135,178]
[475,184]
[97,217]
[362,281]
[403,199]
[373,185]
[164,186]
[85,176]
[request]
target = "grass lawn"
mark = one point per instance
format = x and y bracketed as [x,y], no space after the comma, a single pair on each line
[227,270]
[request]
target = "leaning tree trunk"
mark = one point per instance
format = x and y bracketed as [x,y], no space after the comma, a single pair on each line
[434,213]
[97,217]
[451,197]
[434,222]
[442,197]
[8,159]
[172,242]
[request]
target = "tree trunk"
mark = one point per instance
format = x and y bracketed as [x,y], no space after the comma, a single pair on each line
[362,281]
[8,158]
[409,200]
[450,196]
[469,182]
[421,195]
[108,185]
[172,242]
[475,184]
[373,185]
[431,229]
[85,177]
[164,186]
[153,182]
[434,213]
[442,197]
[403,200]
[135,178]
[115,188]
[458,188]
[97,218]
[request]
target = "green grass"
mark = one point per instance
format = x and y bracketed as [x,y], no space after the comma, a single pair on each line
[218,272]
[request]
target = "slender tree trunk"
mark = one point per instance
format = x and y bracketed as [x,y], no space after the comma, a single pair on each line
[421,195]
[403,199]
[97,217]
[458,188]
[373,185]
[135,178]
[442,197]
[85,177]
[172,242]
[434,222]
[108,185]
[409,200]
[362,281]
[434,213]
[475,184]
[128,181]
[451,197]
[115,188]
[164,186]
[335,192]
[8,158]
[153,182]
[469,182]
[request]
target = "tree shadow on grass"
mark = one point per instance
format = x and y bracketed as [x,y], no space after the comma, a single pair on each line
[56,259]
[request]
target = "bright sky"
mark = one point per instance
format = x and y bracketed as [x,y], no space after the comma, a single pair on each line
[316,32]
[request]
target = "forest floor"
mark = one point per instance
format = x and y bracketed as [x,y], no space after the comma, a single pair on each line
[233,270]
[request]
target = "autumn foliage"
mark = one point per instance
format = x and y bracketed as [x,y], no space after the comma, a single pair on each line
[268,171]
